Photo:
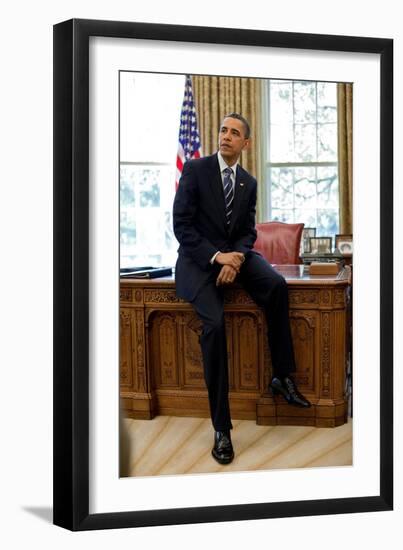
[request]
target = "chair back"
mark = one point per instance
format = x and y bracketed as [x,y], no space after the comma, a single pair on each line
[279,242]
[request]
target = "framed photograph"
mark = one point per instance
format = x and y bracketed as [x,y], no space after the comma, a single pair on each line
[344,243]
[320,245]
[307,234]
[90,60]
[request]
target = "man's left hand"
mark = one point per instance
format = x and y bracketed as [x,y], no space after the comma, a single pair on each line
[227,275]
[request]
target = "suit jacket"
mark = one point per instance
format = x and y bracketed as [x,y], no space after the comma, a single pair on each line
[199,222]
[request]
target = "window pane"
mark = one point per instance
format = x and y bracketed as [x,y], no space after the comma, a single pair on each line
[327,142]
[305,102]
[146,216]
[170,242]
[281,143]
[281,109]
[305,187]
[127,210]
[328,223]
[327,187]
[327,102]
[149,182]
[127,227]
[282,187]
[305,142]
[127,197]
[150,231]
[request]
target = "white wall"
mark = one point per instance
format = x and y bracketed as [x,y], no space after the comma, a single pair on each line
[26,274]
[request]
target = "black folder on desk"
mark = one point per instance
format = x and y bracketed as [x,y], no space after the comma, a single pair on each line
[147,272]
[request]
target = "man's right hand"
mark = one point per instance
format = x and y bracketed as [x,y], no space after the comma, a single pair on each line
[234,259]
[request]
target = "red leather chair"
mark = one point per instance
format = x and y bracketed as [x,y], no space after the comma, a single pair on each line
[279,242]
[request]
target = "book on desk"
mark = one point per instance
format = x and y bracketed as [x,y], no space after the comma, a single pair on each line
[145,272]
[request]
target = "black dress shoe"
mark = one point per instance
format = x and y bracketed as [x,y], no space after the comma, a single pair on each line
[222,450]
[288,389]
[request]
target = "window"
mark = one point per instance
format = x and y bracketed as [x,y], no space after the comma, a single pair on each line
[150,107]
[301,154]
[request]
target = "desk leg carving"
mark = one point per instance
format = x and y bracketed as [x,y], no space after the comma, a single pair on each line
[331,405]
[138,399]
[140,352]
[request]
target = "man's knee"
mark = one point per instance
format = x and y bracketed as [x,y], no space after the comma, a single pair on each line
[276,289]
[214,323]
[280,284]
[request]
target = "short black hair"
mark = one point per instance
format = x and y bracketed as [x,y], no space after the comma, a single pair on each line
[243,120]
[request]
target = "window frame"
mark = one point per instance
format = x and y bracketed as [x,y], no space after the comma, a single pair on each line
[267,165]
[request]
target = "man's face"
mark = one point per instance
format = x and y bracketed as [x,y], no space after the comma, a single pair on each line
[231,139]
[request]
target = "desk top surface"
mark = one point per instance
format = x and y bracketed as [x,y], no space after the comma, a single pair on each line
[294,275]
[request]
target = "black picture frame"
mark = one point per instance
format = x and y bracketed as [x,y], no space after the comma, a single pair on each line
[307,233]
[71,274]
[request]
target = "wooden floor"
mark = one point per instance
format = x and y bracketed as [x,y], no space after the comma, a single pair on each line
[173,445]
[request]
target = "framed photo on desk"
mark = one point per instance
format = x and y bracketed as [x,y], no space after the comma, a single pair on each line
[88,58]
[320,245]
[344,243]
[307,234]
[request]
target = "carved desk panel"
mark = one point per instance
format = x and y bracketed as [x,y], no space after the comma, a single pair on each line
[161,370]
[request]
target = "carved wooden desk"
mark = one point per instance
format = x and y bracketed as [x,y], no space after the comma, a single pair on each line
[161,369]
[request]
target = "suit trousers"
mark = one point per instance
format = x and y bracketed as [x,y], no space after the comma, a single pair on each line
[269,290]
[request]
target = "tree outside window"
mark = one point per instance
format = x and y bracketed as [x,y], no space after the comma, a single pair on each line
[301,154]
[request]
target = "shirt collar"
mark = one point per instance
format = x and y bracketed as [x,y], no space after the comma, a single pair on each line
[224,165]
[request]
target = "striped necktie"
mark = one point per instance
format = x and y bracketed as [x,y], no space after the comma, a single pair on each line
[228,193]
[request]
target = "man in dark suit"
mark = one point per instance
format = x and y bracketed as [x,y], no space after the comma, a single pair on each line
[214,222]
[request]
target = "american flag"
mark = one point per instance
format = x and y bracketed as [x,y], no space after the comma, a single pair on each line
[189,140]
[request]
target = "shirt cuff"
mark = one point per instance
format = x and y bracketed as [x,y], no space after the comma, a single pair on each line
[214,257]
